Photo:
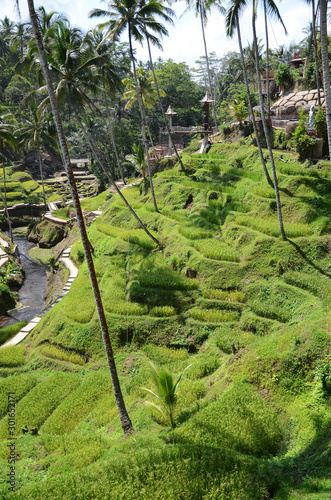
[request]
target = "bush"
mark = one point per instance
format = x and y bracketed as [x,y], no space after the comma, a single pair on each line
[301,141]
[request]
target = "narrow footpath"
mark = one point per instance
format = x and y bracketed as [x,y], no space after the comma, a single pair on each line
[73,272]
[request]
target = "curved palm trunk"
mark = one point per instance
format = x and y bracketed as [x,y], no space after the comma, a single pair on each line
[124,417]
[161,106]
[143,129]
[316,53]
[326,68]
[208,69]
[119,165]
[108,174]
[250,103]
[265,128]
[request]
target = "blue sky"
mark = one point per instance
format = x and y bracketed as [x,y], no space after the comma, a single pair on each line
[185,40]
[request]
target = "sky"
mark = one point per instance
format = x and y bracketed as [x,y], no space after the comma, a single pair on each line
[185,42]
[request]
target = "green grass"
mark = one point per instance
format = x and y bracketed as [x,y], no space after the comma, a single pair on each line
[215,249]
[253,414]
[163,311]
[271,227]
[40,402]
[213,315]
[8,332]
[53,351]
[12,355]
[136,236]
[79,304]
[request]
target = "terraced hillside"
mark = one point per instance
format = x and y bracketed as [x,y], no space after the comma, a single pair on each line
[249,312]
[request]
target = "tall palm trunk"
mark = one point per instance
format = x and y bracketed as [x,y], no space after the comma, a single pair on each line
[267,49]
[250,102]
[208,69]
[326,68]
[41,174]
[161,105]
[143,124]
[265,128]
[4,201]
[108,174]
[124,417]
[119,165]
[316,53]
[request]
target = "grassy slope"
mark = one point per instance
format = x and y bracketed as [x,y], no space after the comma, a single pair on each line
[250,425]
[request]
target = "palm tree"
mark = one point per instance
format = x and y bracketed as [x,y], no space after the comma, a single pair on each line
[315,50]
[265,128]
[137,159]
[75,66]
[148,94]
[202,8]
[166,392]
[111,83]
[124,417]
[139,19]
[232,24]
[269,7]
[37,129]
[6,138]
[326,68]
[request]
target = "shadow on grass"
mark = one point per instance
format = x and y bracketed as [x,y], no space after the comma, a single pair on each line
[309,261]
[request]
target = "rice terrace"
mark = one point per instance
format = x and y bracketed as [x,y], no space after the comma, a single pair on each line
[165,253]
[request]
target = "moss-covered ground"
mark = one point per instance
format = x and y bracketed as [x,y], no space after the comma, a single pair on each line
[225,294]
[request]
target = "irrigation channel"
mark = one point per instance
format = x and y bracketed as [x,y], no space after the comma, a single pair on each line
[30,295]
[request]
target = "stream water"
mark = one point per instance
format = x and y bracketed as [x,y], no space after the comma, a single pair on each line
[31,293]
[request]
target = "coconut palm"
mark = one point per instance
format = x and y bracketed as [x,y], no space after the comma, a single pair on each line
[7,138]
[125,419]
[326,67]
[232,24]
[166,392]
[274,10]
[202,8]
[139,19]
[137,159]
[75,67]
[148,94]
[111,83]
[37,129]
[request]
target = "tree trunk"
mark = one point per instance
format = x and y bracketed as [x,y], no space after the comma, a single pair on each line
[161,106]
[41,175]
[208,69]
[326,68]
[250,103]
[316,53]
[108,174]
[267,49]
[119,165]
[143,129]
[4,201]
[265,128]
[124,417]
